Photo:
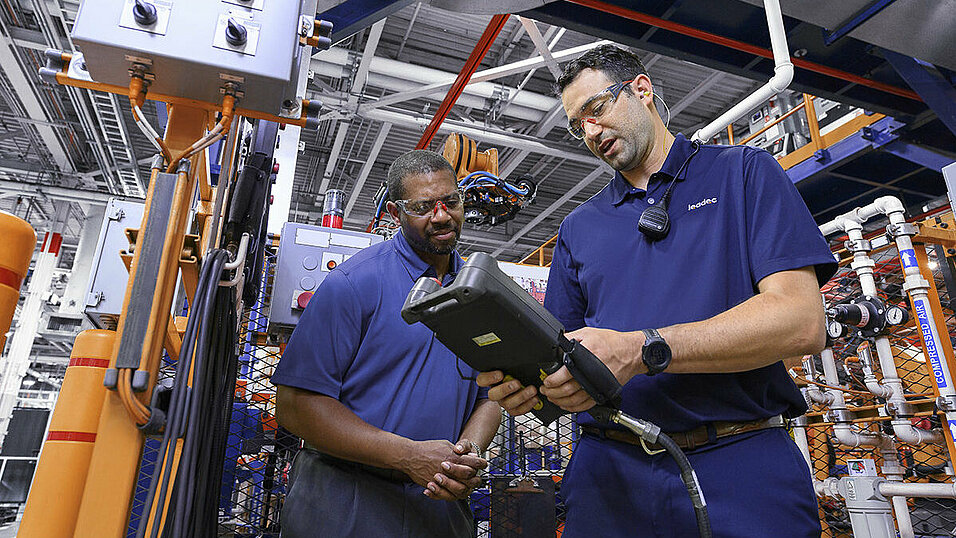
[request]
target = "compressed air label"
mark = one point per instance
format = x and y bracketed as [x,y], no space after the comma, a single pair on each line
[908,258]
[930,339]
[486,339]
[952,430]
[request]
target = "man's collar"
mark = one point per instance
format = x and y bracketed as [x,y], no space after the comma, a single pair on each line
[415,265]
[680,150]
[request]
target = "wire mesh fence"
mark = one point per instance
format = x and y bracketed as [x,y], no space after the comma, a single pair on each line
[927,462]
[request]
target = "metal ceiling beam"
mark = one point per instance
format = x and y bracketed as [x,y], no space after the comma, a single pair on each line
[886,185]
[55,193]
[408,31]
[598,172]
[695,94]
[539,44]
[375,33]
[527,78]
[480,76]
[540,130]
[367,167]
[881,185]
[31,103]
[493,136]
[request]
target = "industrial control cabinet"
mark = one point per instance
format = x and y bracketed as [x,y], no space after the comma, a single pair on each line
[306,255]
[108,275]
[193,48]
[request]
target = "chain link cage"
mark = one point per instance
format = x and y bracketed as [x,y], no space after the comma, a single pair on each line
[927,462]
[522,493]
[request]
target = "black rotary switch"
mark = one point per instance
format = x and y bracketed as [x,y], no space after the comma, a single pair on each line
[144,13]
[236,33]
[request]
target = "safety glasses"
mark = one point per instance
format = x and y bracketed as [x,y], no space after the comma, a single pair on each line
[424,208]
[595,108]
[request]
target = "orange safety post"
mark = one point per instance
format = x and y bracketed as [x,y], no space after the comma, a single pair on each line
[19,243]
[54,501]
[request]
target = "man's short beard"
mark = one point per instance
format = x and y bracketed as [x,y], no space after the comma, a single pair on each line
[429,247]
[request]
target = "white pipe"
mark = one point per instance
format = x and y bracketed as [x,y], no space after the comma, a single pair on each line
[891,387]
[940,490]
[843,431]
[782,76]
[483,134]
[402,76]
[812,391]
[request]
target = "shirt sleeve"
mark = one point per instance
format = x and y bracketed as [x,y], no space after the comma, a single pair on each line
[564,297]
[325,340]
[780,230]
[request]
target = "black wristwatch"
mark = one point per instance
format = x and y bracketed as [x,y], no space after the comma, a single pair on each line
[655,353]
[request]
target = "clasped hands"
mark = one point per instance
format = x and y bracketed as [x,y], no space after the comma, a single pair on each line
[447,471]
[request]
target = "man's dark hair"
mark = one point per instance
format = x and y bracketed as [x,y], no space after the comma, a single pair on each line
[616,63]
[417,161]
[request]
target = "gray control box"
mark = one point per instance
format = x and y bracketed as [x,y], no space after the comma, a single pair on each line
[306,255]
[108,275]
[193,47]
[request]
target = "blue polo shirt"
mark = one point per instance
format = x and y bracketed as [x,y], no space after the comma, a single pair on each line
[351,344]
[735,219]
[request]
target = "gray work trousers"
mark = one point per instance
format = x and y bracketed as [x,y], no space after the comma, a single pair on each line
[327,499]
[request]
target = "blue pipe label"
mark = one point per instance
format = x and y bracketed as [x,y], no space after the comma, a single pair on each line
[932,347]
[952,430]
[908,258]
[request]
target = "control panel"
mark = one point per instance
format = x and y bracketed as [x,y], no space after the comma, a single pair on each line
[190,49]
[108,275]
[307,254]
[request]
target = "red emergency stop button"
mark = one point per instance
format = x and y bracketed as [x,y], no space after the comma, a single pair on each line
[303,299]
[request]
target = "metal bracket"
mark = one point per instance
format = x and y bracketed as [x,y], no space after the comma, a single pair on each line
[903,228]
[842,416]
[946,403]
[857,245]
[900,409]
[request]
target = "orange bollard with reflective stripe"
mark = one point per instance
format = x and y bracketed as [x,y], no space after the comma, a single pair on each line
[19,241]
[54,501]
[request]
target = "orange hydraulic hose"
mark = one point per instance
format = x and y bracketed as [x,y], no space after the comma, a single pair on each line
[228,106]
[741,46]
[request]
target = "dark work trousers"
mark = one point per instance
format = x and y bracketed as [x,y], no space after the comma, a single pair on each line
[338,501]
[755,484]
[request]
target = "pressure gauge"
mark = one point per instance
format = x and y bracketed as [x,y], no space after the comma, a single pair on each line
[896,315]
[836,329]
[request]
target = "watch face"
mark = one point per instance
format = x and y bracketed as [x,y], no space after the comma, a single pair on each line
[657,355]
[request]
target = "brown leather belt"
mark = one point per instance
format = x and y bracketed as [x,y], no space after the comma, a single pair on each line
[692,439]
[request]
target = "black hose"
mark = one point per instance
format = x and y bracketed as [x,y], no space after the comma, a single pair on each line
[689,477]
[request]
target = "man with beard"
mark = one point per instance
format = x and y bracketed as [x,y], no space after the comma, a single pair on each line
[394,434]
[693,321]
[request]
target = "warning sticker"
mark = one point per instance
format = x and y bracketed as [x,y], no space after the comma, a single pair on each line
[908,258]
[486,339]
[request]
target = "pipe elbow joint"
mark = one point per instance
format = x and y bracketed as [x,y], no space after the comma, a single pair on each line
[782,76]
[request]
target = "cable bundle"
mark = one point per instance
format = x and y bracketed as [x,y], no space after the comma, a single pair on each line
[484,178]
[199,411]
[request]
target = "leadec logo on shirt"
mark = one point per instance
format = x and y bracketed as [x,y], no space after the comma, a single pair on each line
[702,203]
